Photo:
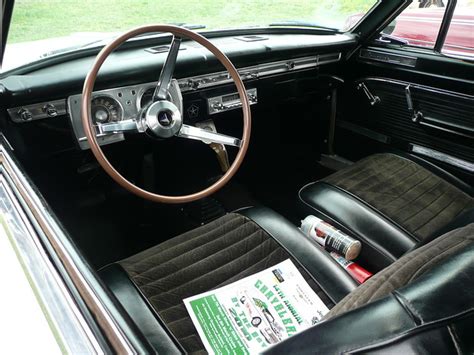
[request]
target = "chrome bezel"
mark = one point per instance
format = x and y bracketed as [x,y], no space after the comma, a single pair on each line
[119,104]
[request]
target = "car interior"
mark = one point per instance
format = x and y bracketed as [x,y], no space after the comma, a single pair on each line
[374,138]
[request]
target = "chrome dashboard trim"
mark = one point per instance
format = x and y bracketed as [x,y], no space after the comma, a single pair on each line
[258,71]
[187,84]
[37,111]
[130,96]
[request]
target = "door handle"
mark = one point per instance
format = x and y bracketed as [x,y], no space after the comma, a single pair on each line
[372,98]
[416,116]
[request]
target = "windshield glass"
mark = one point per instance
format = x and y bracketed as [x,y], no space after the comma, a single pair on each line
[41,28]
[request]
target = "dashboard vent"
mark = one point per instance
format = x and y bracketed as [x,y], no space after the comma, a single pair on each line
[251,38]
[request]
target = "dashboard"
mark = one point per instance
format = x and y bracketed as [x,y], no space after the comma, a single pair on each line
[112,102]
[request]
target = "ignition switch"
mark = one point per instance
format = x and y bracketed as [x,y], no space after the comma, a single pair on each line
[50,110]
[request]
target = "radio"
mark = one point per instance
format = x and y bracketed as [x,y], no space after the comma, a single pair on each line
[229,102]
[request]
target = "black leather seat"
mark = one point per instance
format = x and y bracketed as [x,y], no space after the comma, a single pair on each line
[391,203]
[152,284]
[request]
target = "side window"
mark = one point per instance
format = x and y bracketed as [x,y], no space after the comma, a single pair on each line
[418,25]
[460,38]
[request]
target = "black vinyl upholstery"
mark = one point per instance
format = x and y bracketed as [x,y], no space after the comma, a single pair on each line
[390,203]
[407,269]
[140,310]
[221,252]
[422,303]
[430,312]
[383,241]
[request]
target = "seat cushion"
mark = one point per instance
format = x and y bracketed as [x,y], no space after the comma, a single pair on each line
[390,203]
[404,191]
[221,252]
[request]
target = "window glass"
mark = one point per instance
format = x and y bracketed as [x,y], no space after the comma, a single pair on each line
[418,25]
[460,38]
[41,28]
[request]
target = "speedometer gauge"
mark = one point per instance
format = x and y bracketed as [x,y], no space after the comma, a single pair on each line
[105,109]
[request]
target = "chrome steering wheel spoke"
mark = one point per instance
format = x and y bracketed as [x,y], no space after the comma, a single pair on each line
[162,89]
[191,132]
[130,126]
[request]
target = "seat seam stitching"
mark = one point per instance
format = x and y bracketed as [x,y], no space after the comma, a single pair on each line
[377,212]
[425,207]
[242,271]
[178,304]
[438,213]
[174,288]
[197,236]
[189,251]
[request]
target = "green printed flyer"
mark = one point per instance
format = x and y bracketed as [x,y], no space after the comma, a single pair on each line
[259,311]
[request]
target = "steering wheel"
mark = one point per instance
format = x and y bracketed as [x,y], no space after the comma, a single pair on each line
[162,118]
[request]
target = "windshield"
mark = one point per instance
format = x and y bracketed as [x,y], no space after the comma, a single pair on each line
[42,28]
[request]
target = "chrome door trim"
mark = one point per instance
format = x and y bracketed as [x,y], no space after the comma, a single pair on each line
[73,334]
[417,86]
[428,122]
[387,57]
[443,157]
[32,203]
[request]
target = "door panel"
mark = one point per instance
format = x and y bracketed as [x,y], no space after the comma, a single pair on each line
[410,101]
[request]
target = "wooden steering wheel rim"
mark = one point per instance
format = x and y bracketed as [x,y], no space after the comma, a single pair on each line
[90,130]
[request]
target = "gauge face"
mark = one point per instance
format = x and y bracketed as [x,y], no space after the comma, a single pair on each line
[147,97]
[105,109]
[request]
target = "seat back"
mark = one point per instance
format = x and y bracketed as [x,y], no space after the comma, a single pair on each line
[423,303]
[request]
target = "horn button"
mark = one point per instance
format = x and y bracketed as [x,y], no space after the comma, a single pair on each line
[163,119]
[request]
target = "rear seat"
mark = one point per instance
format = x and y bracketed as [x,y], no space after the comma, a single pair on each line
[391,203]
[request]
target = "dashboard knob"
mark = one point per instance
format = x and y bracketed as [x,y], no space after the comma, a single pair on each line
[290,65]
[218,106]
[25,114]
[50,110]
[193,84]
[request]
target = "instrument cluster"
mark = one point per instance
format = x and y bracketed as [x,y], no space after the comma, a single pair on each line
[105,109]
[108,106]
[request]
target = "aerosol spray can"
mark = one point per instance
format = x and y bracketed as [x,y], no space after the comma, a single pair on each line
[357,272]
[330,238]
